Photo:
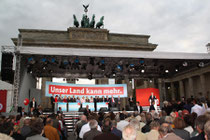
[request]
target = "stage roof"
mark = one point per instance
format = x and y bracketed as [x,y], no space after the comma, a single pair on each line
[112,53]
[100,63]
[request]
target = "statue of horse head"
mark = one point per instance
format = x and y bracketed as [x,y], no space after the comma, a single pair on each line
[76,23]
[102,18]
[93,17]
[74,17]
[92,23]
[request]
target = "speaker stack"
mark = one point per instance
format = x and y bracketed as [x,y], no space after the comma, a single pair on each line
[7,74]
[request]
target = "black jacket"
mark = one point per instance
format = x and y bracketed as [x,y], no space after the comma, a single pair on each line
[136,109]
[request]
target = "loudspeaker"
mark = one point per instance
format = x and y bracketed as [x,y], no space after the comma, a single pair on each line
[82,109]
[113,109]
[103,109]
[131,109]
[19,109]
[7,73]
[128,108]
[47,110]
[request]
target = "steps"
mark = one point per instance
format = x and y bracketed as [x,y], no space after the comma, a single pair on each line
[70,119]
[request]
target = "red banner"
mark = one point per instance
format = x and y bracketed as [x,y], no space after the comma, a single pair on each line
[142,95]
[3,100]
[75,90]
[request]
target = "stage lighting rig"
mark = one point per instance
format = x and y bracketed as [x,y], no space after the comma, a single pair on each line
[120,67]
[31,60]
[76,64]
[102,65]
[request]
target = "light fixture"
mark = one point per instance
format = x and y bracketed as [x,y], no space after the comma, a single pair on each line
[201,64]
[131,67]
[142,71]
[185,64]
[166,71]
[176,68]
[31,60]
[120,67]
[43,60]
[141,61]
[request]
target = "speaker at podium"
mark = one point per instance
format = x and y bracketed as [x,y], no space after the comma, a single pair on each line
[82,109]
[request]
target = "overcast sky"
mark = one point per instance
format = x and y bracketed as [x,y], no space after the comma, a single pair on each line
[175,25]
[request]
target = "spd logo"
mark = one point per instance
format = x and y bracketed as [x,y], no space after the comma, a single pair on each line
[1,106]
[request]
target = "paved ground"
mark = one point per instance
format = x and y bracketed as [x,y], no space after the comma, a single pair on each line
[71,136]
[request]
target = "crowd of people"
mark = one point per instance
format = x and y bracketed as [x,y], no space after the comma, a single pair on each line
[186,119]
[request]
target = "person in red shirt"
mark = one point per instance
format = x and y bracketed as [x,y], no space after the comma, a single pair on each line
[65,99]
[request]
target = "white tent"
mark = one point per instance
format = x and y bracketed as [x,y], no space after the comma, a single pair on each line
[9,88]
[5,85]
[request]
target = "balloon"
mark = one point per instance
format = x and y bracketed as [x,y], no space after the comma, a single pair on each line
[78,103]
[26,101]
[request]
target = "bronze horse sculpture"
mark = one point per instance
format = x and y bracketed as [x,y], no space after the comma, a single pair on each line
[76,23]
[100,23]
[92,23]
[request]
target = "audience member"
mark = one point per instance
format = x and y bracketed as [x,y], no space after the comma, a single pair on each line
[50,132]
[26,129]
[146,128]
[93,124]
[37,129]
[196,108]
[166,133]
[179,126]
[85,128]
[122,123]
[207,130]
[153,134]
[115,130]
[106,135]
[135,123]
[129,133]
[199,124]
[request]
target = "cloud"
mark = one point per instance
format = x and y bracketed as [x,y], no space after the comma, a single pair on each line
[180,26]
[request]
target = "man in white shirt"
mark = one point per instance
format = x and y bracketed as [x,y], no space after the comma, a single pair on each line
[85,128]
[197,108]
[122,123]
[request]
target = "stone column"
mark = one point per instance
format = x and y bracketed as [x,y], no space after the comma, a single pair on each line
[45,101]
[172,91]
[160,89]
[102,81]
[181,89]
[190,93]
[129,89]
[145,84]
[203,84]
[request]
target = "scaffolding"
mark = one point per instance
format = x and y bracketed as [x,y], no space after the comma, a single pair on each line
[16,67]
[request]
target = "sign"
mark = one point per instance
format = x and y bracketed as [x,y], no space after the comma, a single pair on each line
[3,100]
[66,89]
[63,106]
[142,95]
[73,106]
